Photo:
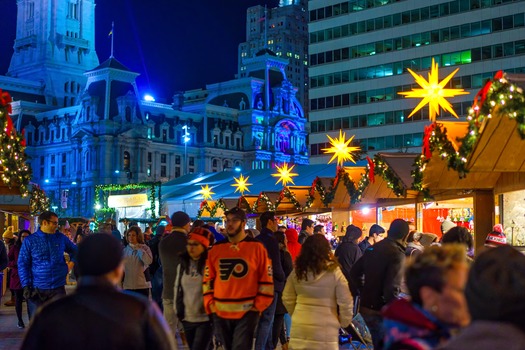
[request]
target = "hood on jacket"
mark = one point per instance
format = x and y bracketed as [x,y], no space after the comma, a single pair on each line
[406,323]
[291,235]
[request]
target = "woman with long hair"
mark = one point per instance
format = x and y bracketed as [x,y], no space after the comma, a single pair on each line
[189,303]
[317,290]
[137,258]
[14,283]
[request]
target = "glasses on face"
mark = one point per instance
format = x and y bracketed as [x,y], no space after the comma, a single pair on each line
[52,222]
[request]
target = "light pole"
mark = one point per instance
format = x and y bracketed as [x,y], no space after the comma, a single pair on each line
[62,197]
[185,138]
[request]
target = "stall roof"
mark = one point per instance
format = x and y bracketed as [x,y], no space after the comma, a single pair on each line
[188,187]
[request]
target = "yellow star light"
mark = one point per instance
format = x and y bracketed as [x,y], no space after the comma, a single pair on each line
[340,149]
[241,184]
[433,92]
[206,192]
[285,174]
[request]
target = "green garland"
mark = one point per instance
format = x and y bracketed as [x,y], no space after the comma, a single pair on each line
[124,187]
[263,197]
[417,173]
[212,210]
[393,182]
[363,183]
[286,193]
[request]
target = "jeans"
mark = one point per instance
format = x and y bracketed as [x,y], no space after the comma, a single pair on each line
[171,316]
[42,296]
[288,324]
[374,321]
[236,334]
[263,340]
[198,334]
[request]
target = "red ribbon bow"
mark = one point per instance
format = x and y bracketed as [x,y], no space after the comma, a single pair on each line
[372,166]
[426,140]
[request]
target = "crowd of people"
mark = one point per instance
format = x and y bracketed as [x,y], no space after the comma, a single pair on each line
[249,288]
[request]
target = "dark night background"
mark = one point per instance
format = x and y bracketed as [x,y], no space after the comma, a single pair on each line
[173,44]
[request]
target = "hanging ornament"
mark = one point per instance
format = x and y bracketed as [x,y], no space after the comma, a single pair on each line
[341,149]
[241,184]
[433,92]
[206,192]
[285,174]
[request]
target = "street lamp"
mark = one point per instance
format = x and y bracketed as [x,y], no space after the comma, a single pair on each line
[185,138]
[62,196]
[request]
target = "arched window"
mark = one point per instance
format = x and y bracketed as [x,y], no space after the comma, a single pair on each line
[66,86]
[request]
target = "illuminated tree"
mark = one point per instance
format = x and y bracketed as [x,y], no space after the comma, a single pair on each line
[14,170]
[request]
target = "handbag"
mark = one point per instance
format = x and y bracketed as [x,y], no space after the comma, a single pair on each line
[147,274]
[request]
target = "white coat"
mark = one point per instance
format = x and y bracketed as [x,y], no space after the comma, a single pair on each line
[313,307]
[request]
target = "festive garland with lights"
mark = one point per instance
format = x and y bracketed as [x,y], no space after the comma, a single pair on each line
[286,193]
[498,95]
[38,200]
[264,198]
[14,169]
[124,187]
[212,210]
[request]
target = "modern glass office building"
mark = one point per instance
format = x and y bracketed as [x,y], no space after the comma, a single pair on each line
[360,52]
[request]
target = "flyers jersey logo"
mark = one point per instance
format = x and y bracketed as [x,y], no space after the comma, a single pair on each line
[237,268]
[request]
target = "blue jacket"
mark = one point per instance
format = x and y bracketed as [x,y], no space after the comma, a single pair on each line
[41,262]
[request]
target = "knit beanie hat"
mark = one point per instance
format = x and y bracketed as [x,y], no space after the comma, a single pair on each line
[98,254]
[200,235]
[447,225]
[495,286]
[8,234]
[496,237]
[398,229]
[180,219]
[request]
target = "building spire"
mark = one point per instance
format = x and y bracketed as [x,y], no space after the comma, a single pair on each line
[112,34]
[265,27]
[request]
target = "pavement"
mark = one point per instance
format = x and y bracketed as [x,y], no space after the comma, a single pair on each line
[11,337]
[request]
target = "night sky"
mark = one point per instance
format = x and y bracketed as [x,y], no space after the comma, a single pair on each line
[175,45]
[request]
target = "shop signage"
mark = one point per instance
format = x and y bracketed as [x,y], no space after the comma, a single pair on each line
[128,200]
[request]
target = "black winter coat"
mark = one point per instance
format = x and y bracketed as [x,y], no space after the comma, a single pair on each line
[269,241]
[382,268]
[347,253]
[98,316]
